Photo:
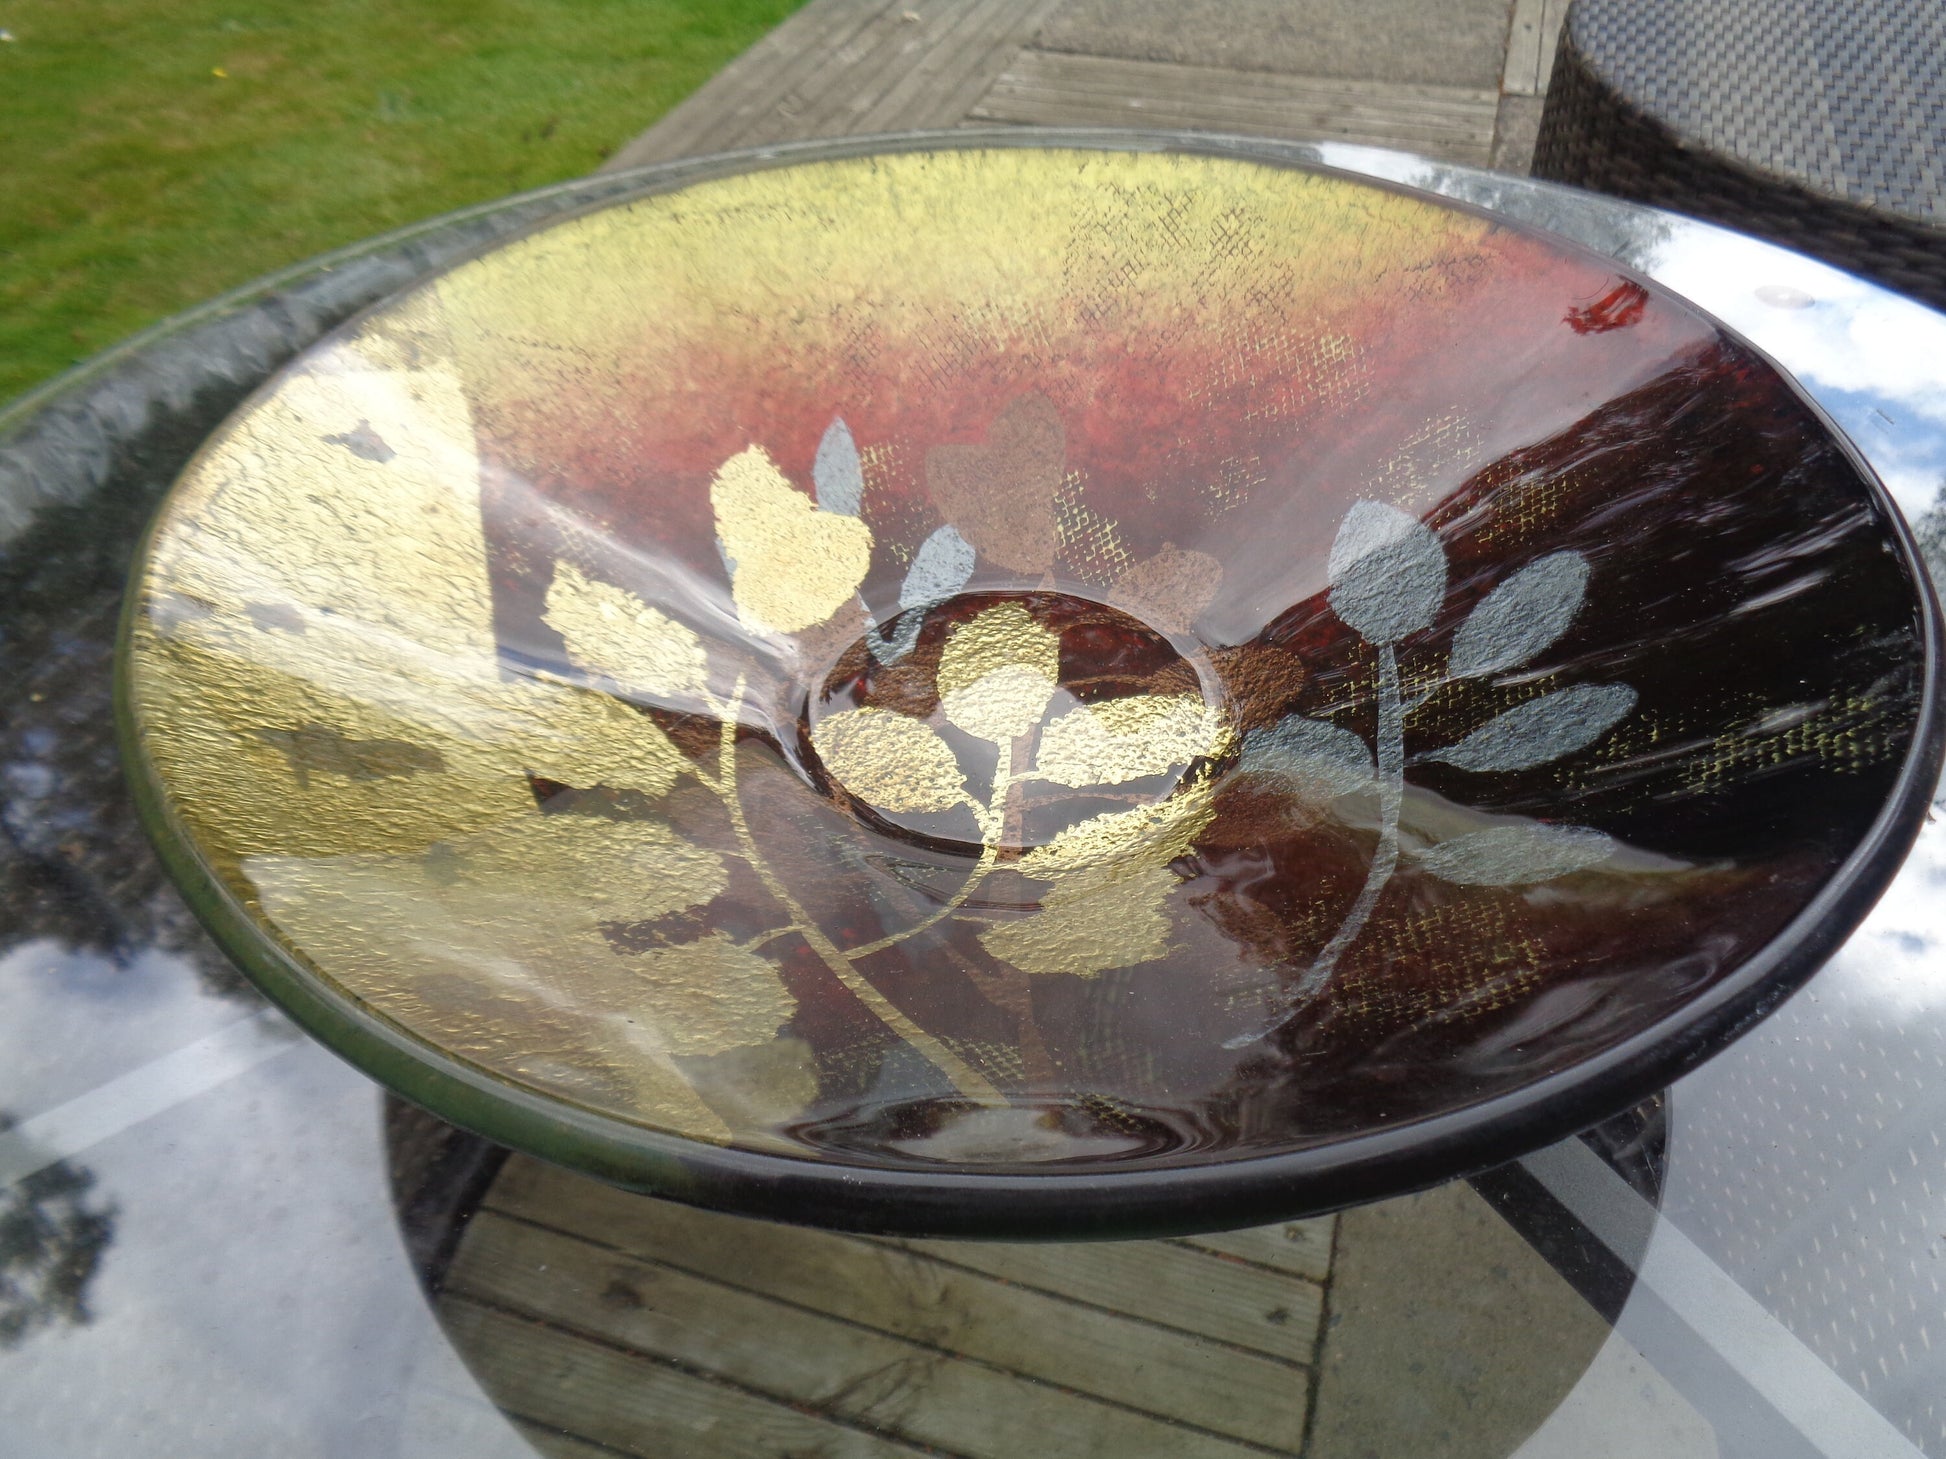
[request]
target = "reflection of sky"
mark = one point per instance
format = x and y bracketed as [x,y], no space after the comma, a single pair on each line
[1898,957]
[75,1020]
[255,1298]
[1875,361]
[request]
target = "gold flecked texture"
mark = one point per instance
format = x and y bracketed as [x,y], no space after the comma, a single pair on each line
[999,673]
[1125,739]
[894,762]
[1099,920]
[316,678]
[644,652]
[794,565]
[1108,907]
[493,946]
[1152,835]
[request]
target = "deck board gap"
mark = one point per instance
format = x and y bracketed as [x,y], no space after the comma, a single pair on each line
[1141,1319]
[463,1291]
[704,1375]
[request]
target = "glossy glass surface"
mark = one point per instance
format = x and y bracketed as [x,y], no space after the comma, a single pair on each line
[997,661]
[209,1237]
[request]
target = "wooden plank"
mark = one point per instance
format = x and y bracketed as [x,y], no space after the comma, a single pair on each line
[1050,89]
[942,87]
[1522,76]
[840,67]
[618,1400]
[1028,107]
[1178,1287]
[842,71]
[1299,1247]
[1516,133]
[1553,19]
[932,36]
[1113,76]
[807,1361]
[1240,1394]
[738,98]
[551,1443]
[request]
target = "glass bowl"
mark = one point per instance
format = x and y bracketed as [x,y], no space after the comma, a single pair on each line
[1029,690]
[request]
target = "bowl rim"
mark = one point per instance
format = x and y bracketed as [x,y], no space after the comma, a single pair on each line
[1103,1202]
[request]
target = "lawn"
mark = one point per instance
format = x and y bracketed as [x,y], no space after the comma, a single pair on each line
[153,154]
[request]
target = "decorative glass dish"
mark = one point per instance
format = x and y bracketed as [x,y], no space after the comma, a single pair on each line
[1030,690]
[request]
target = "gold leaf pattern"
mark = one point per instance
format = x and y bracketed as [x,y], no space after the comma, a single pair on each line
[492,945]
[1104,918]
[711,996]
[610,631]
[757,1088]
[1002,637]
[795,565]
[335,594]
[593,870]
[1125,739]
[1006,703]
[1150,835]
[998,672]
[890,760]
[320,692]
[219,728]
[584,738]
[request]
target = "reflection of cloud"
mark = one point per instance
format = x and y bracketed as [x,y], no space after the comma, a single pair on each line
[1898,957]
[257,1298]
[1907,450]
[1876,361]
[1855,346]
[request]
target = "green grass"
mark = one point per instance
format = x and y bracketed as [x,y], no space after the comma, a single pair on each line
[156,152]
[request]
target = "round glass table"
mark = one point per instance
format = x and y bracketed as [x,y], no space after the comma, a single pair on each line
[217,1239]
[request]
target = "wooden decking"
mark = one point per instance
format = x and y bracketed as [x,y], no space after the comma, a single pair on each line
[606,1323]
[845,68]
[851,67]
[1053,88]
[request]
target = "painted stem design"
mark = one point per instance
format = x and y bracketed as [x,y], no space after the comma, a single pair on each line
[988,855]
[1391,797]
[964,1077]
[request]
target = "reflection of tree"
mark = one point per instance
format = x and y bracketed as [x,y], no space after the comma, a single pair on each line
[1930,530]
[74,864]
[51,1240]
[1626,234]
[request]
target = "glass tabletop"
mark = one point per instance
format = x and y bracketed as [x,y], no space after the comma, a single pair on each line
[217,1239]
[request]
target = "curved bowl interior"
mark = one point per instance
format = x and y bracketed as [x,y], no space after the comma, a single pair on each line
[1014,661]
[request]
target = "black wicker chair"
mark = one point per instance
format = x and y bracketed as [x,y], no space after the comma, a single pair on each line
[1821,126]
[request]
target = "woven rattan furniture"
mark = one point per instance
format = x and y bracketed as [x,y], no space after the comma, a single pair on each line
[1820,126]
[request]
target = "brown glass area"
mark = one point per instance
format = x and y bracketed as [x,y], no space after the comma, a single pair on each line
[1311,663]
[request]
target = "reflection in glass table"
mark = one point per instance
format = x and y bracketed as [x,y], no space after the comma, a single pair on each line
[213,1239]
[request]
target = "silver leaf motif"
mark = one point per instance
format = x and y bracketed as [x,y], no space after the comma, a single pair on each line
[1521,617]
[1321,761]
[1387,572]
[939,569]
[836,472]
[1542,729]
[1516,855]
